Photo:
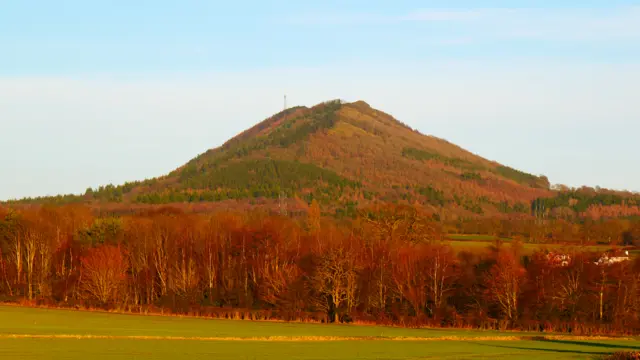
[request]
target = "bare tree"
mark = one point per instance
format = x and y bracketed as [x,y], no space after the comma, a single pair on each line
[440,274]
[31,240]
[504,284]
[334,281]
[104,271]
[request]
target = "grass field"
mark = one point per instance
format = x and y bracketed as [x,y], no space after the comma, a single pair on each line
[475,242]
[528,248]
[27,333]
[465,237]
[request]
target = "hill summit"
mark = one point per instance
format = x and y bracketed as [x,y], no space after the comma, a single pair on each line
[344,154]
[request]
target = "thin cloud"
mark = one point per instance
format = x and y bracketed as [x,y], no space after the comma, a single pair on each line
[621,23]
[444,15]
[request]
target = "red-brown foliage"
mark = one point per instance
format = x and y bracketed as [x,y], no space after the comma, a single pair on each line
[103,273]
[391,265]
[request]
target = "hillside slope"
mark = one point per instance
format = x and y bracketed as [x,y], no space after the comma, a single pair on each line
[343,154]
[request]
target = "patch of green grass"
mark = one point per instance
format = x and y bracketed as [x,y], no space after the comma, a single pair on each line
[463,237]
[339,350]
[18,320]
[15,320]
[474,245]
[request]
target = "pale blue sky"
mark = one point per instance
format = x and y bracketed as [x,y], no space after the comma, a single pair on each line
[93,92]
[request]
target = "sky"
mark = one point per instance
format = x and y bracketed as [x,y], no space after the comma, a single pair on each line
[98,92]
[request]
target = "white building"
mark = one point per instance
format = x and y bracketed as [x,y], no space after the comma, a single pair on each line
[606,259]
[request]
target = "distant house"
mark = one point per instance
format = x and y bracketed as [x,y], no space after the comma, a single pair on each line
[558,260]
[610,258]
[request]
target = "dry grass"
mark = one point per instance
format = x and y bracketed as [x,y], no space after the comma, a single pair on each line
[308,338]
[625,355]
[231,314]
[579,338]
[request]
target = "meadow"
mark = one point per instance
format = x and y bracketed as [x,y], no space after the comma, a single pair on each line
[463,242]
[30,333]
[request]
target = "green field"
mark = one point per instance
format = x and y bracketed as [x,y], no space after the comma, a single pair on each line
[528,248]
[466,237]
[119,337]
[475,242]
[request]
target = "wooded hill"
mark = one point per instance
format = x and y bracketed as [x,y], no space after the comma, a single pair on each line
[348,155]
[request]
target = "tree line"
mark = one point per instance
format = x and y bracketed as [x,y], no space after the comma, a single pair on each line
[389,265]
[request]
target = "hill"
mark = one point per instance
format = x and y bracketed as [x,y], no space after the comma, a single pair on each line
[347,155]
[343,155]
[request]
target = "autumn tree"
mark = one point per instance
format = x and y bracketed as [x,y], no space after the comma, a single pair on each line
[385,266]
[162,237]
[504,284]
[440,269]
[31,239]
[335,281]
[392,223]
[376,278]
[410,279]
[139,248]
[103,271]
[274,266]
[184,276]
[13,234]
[632,235]
[313,217]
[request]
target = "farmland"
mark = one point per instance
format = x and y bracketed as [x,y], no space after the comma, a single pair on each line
[479,242]
[28,333]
